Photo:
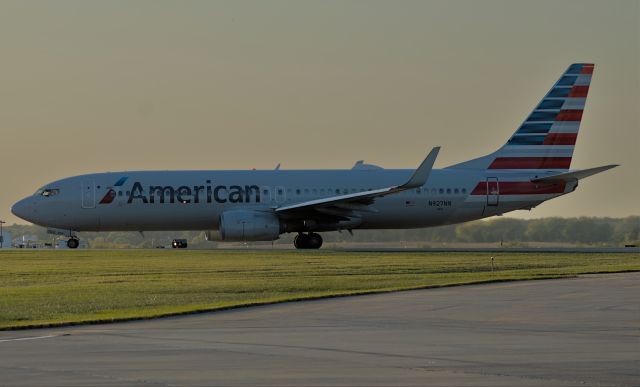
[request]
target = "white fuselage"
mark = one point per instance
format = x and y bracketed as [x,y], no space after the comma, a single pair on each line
[194,200]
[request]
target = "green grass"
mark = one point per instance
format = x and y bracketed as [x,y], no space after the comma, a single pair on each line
[41,288]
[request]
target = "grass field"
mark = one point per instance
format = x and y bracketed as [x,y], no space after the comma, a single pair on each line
[40,288]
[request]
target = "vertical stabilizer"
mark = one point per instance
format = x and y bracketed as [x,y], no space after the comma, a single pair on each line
[546,139]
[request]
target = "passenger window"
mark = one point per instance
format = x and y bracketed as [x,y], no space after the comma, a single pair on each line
[315,191]
[448,191]
[337,191]
[441,191]
[464,190]
[456,191]
[298,191]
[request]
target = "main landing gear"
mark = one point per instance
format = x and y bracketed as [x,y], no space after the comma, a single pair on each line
[73,243]
[307,241]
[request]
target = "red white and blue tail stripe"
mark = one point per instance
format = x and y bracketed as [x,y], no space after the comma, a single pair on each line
[546,139]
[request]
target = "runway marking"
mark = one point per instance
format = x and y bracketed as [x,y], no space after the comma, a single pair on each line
[33,338]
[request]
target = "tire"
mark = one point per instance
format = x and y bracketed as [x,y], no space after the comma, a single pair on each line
[311,241]
[73,243]
[315,241]
[301,241]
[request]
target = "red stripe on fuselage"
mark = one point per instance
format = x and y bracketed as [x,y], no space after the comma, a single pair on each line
[569,115]
[520,188]
[531,163]
[560,139]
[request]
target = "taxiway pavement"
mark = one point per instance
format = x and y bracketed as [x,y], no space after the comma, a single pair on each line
[580,331]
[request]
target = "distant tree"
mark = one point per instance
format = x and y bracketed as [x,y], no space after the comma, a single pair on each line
[627,230]
[584,231]
[587,230]
[545,230]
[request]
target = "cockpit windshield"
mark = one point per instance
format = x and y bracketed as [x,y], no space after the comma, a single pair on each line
[47,192]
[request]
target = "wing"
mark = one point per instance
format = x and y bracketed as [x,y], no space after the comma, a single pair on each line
[341,205]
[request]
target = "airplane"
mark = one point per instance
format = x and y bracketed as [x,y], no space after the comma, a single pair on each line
[260,205]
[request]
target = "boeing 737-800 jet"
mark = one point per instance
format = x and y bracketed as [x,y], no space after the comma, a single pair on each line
[260,205]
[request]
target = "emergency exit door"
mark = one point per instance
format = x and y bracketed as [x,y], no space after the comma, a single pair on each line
[281,194]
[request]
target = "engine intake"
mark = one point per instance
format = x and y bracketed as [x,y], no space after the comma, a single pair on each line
[249,225]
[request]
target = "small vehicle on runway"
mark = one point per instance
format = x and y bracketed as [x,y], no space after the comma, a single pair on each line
[179,244]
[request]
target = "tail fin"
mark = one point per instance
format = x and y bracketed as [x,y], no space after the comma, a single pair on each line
[546,139]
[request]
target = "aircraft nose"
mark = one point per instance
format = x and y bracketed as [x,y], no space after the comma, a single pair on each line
[23,209]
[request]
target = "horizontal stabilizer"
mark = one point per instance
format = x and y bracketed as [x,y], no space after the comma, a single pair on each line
[573,175]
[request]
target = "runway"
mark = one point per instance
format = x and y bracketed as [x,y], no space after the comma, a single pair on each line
[581,331]
[540,250]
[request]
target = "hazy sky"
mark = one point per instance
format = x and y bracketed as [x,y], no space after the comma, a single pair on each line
[88,86]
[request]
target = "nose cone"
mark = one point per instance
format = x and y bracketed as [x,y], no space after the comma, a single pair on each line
[23,209]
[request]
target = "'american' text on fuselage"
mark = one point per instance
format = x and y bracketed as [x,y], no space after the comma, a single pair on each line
[195,194]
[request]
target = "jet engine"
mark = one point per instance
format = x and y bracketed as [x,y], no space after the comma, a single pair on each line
[249,225]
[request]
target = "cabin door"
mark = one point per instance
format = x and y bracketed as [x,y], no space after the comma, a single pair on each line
[88,194]
[493,191]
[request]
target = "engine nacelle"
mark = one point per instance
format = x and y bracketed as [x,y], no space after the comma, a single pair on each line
[249,225]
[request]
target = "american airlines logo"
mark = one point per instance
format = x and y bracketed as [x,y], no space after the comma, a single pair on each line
[111,193]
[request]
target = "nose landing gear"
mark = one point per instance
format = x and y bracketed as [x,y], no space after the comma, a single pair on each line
[311,240]
[73,243]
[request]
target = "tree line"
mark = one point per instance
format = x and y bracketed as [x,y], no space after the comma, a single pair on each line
[586,231]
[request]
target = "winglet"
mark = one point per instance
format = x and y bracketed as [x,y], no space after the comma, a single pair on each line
[421,174]
[353,201]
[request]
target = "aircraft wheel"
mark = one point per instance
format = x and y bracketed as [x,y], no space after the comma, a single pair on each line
[301,241]
[73,243]
[315,241]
